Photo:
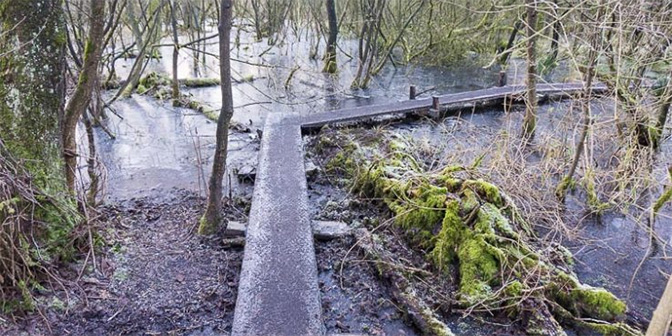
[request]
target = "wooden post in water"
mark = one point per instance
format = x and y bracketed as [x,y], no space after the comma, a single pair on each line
[502,78]
[411,92]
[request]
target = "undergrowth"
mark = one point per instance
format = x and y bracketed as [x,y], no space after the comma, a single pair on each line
[452,208]
[38,230]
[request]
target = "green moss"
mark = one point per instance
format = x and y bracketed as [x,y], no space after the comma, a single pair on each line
[445,247]
[200,82]
[567,183]
[598,303]
[141,89]
[247,79]
[612,329]
[27,303]
[514,289]
[420,214]
[154,79]
[664,198]
[469,226]
[436,327]
[486,190]
[478,269]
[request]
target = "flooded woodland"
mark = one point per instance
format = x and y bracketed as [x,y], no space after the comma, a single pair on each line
[360,167]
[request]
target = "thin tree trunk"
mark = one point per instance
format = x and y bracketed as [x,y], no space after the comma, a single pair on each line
[91,161]
[530,121]
[556,32]
[390,48]
[662,316]
[509,45]
[330,55]
[561,190]
[176,52]
[79,101]
[213,213]
[146,51]
[665,101]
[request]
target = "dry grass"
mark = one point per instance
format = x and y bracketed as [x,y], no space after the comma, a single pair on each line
[614,173]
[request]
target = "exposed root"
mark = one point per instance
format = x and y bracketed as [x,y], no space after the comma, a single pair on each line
[402,290]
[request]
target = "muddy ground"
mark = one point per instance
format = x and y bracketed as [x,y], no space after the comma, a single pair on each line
[153,276]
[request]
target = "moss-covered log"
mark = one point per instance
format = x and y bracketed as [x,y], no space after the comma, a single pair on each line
[469,227]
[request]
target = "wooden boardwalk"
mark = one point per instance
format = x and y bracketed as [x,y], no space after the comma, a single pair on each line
[278,292]
[419,105]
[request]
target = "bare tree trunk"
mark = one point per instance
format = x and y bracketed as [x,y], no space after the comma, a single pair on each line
[213,213]
[662,316]
[530,121]
[330,56]
[257,19]
[145,43]
[79,101]
[556,32]
[176,52]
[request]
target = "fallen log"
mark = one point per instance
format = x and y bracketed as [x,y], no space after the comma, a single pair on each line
[403,291]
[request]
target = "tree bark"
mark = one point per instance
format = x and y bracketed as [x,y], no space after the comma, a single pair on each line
[213,213]
[530,120]
[79,101]
[556,32]
[330,56]
[32,86]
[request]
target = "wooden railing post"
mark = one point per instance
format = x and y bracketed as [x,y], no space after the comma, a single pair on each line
[411,92]
[502,78]
[435,103]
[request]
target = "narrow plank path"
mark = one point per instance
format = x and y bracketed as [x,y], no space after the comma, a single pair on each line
[278,292]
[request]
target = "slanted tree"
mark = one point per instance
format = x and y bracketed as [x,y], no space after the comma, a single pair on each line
[530,120]
[330,56]
[213,213]
[79,102]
